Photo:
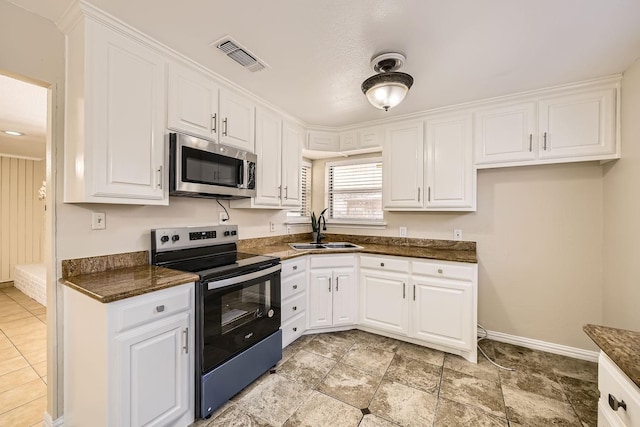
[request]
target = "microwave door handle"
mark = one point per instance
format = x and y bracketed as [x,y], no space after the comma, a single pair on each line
[241,174]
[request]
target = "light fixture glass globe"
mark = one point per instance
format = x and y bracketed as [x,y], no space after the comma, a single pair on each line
[386,90]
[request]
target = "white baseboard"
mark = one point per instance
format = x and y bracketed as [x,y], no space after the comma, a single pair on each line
[50,422]
[577,353]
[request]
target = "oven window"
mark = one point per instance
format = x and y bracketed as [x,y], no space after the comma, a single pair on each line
[204,167]
[245,305]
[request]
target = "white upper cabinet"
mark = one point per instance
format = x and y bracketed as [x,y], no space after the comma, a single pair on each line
[279,151]
[192,103]
[450,175]
[506,134]
[403,166]
[114,147]
[323,141]
[237,115]
[370,137]
[559,125]
[349,141]
[435,172]
[578,125]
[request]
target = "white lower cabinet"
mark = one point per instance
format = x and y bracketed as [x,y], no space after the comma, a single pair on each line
[293,299]
[332,291]
[130,362]
[619,404]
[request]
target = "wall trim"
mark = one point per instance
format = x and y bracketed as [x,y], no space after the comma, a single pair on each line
[50,422]
[564,350]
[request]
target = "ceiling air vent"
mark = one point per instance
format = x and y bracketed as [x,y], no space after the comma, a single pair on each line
[240,54]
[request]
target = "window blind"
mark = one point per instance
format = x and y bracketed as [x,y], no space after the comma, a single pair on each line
[305,193]
[355,191]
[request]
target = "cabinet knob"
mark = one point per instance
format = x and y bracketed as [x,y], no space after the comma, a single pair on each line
[382,264]
[615,403]
[295,308]
[295,329]
[440,270]
[160,308]
[295,286]
[295,267]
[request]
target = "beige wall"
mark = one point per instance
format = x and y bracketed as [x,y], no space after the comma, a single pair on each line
[621,294]
[21,214]
[539,236]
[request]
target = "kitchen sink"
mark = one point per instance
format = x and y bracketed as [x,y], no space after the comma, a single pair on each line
[324,246]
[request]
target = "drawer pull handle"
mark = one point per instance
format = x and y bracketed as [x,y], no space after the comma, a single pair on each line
[295,286]
[295,308]
[382,264]
[440,270]
[295,329]
[615,403]
[295,267]
[160,308]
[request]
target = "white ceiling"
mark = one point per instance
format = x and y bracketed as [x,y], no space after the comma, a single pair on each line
[457,51]
[23,108]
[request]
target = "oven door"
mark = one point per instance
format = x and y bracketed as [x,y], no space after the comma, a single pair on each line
[238,312]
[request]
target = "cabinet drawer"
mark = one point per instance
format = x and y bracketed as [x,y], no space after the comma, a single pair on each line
[293,329]
[295,305]
[293,285]
[293,266]
[386,264]
[153,306]
[613,382]
[444,270]
[331,261]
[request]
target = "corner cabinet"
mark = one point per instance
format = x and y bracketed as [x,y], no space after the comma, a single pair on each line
[332,291]
[114,121]
[279,151]
[429,165]
[130,362]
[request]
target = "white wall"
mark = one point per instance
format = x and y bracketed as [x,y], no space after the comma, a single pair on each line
[539,242]
[21,214]
[621,294]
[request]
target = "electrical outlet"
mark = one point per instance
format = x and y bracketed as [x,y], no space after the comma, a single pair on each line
[272,226]
[222,217]
[98,220]
[457,234]
[288,229]
[403,231]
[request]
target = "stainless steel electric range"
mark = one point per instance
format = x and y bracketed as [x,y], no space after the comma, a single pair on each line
[237,318]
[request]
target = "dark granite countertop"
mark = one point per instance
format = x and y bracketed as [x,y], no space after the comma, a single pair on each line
[622,347]
[118,284]
[442,250]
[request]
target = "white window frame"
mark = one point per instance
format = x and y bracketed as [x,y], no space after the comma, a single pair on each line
[350,223]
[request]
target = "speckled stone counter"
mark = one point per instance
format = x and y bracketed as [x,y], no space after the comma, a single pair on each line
[444,250]
[622,347]
[115,277]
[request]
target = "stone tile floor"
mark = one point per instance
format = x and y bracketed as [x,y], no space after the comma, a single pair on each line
[23,359]
[354,378]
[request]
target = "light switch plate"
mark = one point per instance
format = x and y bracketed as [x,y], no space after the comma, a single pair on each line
[98,220]
[403,231]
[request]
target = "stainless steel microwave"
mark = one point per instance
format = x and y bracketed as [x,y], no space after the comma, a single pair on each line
[200,168]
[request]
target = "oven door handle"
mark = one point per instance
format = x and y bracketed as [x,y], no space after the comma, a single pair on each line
[217,284]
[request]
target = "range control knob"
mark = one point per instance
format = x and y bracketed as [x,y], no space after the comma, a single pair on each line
[164,239]
[227,233]
[233,232]
[175,238]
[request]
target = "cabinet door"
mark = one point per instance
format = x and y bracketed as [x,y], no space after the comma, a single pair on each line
[442,312]
[403,159]
[506,134]
[237,118]
[320,298]
[193,103]
[268,148]
[578,125]
[450,171]
[345,303]
[156,382]
[383,301]
[323,141]
[292,140]
[348,141]
[126,113]
[371,137]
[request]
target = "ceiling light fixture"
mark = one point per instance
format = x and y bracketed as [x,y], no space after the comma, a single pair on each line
[13,132]
[389,87]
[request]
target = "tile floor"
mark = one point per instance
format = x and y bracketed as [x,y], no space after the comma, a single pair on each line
[354,378]
[23,359]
